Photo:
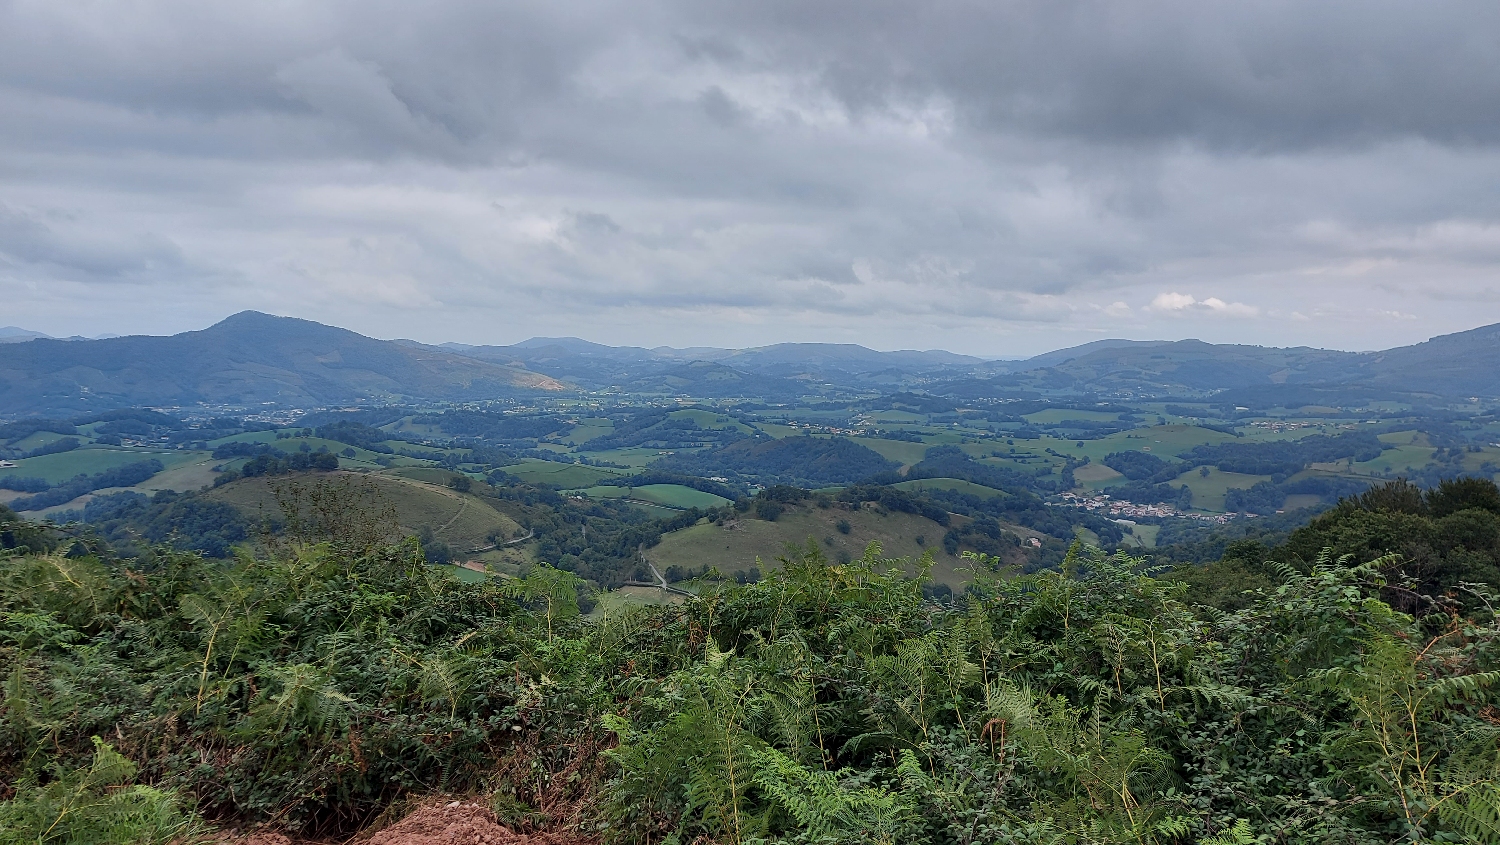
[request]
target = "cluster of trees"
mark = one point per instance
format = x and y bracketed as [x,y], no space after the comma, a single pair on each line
[23,483]
[826,703]
[985,535]
[130,522]
[355,434]
[1142,466]
[895,499]
[598,540]
[1146,493]
[21,429]
[276,462]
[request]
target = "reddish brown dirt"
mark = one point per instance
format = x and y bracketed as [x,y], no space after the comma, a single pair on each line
[448,823]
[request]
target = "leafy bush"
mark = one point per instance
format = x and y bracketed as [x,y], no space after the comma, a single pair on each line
[94,805]
[321,682]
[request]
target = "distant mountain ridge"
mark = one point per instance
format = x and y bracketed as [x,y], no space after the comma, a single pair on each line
[16,334]
[257,359]
[248,359]
[1446,367]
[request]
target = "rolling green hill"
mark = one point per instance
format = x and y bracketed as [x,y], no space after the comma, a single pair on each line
[464,521]
[749,542]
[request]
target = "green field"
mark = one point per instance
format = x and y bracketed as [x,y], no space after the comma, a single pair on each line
[468,576]
[626,599]
[406,426]
[1208,492]
[894,416]
[38,439]
[710,420]
[1142,536]
[654,497]
[416,448]
[778,430]
[1163,440]
[955,484]
[678,496]
[588,429]
[1052,416]
[1096,475]
[899,451]
[566,476]
[188,475]
[1397,460]
[634,457]
[88,460]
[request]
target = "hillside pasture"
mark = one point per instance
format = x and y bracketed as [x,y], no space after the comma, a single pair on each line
[462,520]
[1142,536]
[897,416]
[587,429]
[38,439]
[635,457]
[626,599]
[710,420]
[1403,458]
[900,451]
[566,476]
[1208,491]
[88,460]
[678,496]
[1096,475]
[1053,416]
[955,484]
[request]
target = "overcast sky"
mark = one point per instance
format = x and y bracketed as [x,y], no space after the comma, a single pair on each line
[996,178]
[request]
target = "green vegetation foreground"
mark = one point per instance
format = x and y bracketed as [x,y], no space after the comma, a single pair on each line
[316,687]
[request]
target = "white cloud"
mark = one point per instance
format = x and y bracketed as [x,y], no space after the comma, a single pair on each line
[1182,303]
[1172,302]
[1006,176]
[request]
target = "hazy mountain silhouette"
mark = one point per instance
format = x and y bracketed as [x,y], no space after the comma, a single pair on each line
[248,359]
[253,358]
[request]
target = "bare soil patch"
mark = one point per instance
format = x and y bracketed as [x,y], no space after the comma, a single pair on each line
[446,823]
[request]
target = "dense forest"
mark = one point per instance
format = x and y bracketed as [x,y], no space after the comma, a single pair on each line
[1340,687]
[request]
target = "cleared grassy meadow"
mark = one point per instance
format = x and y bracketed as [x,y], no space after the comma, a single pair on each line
[1208,491]
[88,460]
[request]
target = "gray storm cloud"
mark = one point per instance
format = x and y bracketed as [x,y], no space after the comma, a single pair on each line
[995,178]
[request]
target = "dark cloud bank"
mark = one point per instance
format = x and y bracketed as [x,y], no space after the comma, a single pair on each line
[994,178]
